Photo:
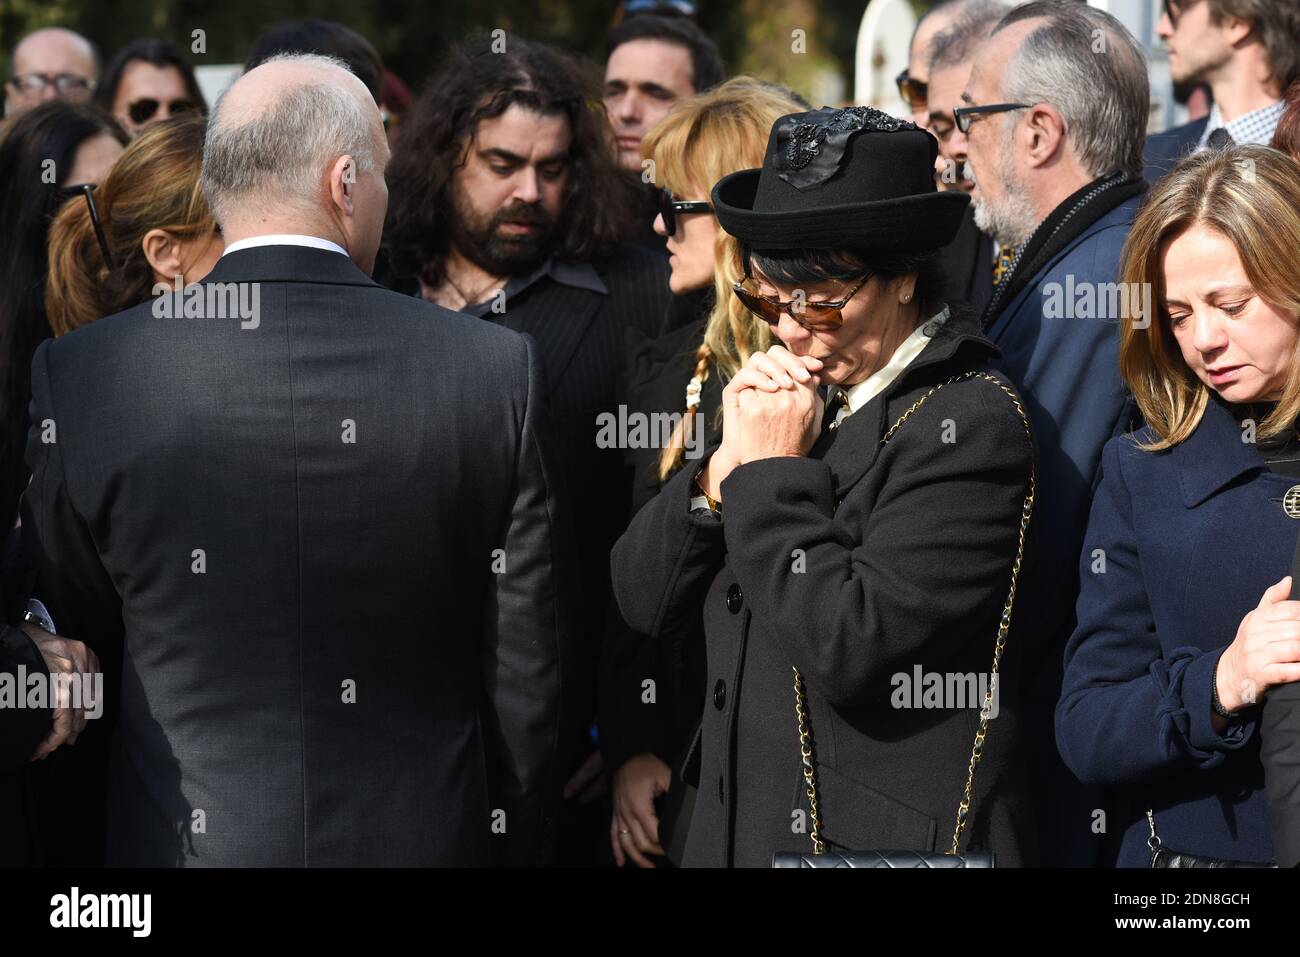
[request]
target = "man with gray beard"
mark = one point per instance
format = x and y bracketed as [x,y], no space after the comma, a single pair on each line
[1052,119]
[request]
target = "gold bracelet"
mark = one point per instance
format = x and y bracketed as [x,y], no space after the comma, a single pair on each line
[714,504]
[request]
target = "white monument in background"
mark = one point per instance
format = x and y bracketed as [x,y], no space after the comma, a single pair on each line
[883,38]
[215,78]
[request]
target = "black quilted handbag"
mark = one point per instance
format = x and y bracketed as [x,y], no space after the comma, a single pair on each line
[1162,856]
[953,858]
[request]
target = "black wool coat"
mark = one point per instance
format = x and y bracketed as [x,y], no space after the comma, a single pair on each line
[857,564]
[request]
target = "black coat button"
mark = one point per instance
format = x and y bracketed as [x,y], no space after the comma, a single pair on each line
[734,599]
[720,694]
[721,798]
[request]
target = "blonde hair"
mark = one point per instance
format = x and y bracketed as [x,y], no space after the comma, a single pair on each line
[1251,195]
[700,141]
[153,185]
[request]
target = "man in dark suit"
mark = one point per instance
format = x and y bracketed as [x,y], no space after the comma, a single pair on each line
[1246,51]
[522,229]
[1058,181]
[317,518]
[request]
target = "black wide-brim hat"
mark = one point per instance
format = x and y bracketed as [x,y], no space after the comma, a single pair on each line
[842,179]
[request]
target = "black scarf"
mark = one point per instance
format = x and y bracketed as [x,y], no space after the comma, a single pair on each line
[1061,227]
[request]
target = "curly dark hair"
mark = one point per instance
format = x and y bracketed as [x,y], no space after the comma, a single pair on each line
[474,84]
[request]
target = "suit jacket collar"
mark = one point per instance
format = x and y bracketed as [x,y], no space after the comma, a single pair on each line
[851,449]
[1214,455]
[283,263]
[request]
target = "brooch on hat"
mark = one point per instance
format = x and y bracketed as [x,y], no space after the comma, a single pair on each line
[813,151]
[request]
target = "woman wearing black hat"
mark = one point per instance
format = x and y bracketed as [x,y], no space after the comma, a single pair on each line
[854,538]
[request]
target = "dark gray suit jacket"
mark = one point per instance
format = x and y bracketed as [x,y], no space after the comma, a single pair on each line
[291,531]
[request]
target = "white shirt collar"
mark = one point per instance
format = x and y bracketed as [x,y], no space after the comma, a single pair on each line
[284,239]
[863,392]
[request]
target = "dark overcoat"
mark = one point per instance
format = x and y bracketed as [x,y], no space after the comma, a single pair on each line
[1180,546]
[857,564]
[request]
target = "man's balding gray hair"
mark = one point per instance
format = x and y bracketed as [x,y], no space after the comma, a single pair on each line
[957,44]
[1084,63]
[275,154]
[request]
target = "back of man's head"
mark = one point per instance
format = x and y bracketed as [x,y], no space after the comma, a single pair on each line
[276,134]
[1085,64]
[706,63]
[326,38]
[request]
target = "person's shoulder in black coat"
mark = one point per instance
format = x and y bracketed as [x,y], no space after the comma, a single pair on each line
[637,279]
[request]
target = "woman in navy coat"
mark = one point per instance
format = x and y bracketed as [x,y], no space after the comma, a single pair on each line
[1184,617]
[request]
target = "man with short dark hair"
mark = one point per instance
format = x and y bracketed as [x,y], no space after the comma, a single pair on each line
[1247,52]
[50,64]
[653,61]
[326,38]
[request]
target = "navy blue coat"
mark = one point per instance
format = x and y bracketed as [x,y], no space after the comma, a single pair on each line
[1067,371]
[1163,150]
[1192,537]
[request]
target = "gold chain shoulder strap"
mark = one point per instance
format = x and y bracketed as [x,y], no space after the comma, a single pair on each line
[1004,626]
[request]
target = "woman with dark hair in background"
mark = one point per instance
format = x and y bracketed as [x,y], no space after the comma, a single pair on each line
[1286,136]
[148,81]
[44,152]
[155,224]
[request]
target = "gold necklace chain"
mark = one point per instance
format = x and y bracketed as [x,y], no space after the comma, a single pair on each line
[806,749]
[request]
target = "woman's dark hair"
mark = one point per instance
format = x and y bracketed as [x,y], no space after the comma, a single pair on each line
[599,202]
[36,155]
[324,37]
[158,52]
[1286,137]
[797,267]
[707,70]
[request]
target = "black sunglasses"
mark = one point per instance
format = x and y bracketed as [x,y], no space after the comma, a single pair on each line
[813,316]
[914,92]
[962,115]
[142,111]
[88,190]
[669,209]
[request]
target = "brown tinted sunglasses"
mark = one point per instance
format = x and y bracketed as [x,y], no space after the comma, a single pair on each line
[814,316]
